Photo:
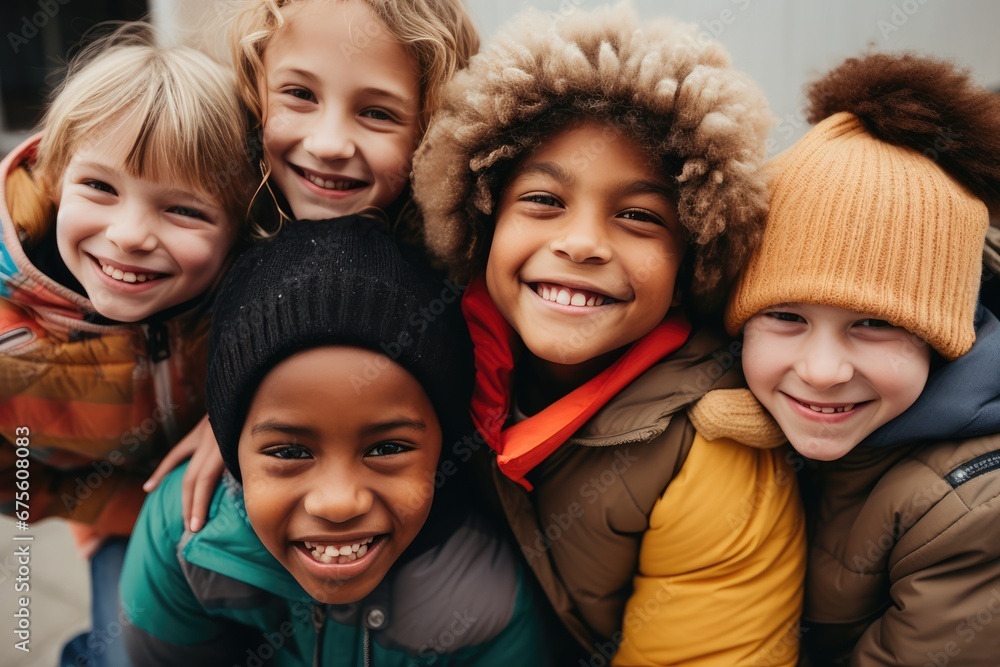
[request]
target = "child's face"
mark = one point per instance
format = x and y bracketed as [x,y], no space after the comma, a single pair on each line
[586,247]
[831,376]
[137,247]
[342,104]
[334,459]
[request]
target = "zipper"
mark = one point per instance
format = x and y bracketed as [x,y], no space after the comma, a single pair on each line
[158,349]
[366,646]
[318,621]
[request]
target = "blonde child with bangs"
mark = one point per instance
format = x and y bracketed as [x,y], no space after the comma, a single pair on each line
[118,218]
[342,91]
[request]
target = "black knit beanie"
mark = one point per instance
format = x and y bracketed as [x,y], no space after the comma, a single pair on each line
[338,282]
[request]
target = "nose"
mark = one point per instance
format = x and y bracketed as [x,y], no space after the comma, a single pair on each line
[331,136]
[582,239]
[824,362]
[133,230]
[338,498]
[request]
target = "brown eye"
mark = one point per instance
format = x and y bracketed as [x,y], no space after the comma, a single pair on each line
[387,449]
[873,323]
[642,215]
[540,199]
[785,317]
[288,452]
[100,186]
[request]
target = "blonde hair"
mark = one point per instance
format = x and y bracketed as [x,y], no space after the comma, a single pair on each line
[181,106]
[438,34]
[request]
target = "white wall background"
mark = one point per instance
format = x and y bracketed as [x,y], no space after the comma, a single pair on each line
[783,44]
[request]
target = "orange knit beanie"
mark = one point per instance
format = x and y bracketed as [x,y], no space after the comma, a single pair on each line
[877,209]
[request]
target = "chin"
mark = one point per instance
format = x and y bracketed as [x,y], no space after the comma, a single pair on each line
[823,451]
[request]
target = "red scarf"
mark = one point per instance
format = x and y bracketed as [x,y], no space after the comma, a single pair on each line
[524,445]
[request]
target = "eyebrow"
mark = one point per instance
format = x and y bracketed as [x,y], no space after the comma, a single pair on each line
[550,169]
[198,199]
[381,92]
[393,424]
[274,425]
[298,72]
[373,429]
[645,186]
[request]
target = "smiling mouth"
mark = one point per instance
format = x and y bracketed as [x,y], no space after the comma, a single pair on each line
[329,184]
[568,296]
[120,275]
[340,554]
[829,409]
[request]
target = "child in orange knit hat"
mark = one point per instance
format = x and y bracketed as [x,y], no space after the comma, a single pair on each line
[864,340]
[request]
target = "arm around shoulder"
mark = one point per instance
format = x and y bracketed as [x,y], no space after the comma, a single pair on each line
[721,567]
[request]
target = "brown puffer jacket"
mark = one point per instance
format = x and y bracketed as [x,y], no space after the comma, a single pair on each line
[904,562]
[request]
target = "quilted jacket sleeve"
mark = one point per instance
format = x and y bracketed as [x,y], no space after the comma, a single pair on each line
[721,567]
[166,623]
[944,582]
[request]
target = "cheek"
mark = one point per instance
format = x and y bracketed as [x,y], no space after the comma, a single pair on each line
[202,256]
[903,376]
[760,359]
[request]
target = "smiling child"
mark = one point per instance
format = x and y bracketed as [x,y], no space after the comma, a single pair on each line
[863,338]
[341,91]
[597,180]
[343,535]
[117,222]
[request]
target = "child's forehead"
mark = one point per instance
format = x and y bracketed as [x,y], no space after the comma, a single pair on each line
[589,148]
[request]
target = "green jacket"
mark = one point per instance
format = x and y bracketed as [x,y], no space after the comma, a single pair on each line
[218,597]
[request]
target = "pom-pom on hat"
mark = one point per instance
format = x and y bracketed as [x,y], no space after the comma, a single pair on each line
[882,206]
[666,85]
[338,282]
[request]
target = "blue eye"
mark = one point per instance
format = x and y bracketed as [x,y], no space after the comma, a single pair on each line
[288,452]
[387,449]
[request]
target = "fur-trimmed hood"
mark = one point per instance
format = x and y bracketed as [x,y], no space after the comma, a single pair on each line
[670,87]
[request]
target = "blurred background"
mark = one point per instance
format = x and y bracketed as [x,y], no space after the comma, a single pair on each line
[782,44]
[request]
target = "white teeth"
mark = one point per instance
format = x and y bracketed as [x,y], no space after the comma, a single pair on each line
[126,276]
[331,185]
[829,410]
[328,553]
[567,297]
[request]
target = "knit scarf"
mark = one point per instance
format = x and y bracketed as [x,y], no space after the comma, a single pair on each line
[526,444]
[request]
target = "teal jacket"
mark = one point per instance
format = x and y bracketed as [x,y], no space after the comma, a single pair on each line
[218,598]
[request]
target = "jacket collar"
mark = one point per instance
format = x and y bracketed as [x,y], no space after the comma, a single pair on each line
[523,446]
[961,399]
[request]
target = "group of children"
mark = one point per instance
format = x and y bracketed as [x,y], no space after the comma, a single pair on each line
[459,323]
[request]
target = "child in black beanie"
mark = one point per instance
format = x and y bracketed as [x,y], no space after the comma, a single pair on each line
[338,389]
